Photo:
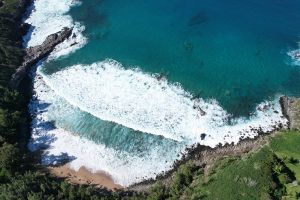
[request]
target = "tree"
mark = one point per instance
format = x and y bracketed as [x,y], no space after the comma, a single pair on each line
[9,157]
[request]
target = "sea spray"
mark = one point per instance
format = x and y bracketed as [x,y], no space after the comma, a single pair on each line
[60,145]
[50,16]
[295,56]
[124,167]
[142,102]
[131,97]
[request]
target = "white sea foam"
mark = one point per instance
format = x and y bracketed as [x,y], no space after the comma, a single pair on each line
[130,97]
[50,16]
[124,168]
[295,55]
[145,103]
[125,96]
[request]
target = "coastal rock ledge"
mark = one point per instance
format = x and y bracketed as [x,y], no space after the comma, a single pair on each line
[291,110]
[35,54]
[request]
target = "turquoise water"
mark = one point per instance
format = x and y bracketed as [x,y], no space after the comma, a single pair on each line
[232,51]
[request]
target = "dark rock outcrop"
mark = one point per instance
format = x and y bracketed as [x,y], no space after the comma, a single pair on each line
[1,3]
[24,28]
[35,54]
[291,110]
[284,103]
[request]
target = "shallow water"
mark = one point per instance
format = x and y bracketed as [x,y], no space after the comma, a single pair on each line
[167,53]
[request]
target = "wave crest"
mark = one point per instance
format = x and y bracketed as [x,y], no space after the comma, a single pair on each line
[150,104]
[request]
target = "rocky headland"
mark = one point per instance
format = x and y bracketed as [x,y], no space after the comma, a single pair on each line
[291,110]
[35,54]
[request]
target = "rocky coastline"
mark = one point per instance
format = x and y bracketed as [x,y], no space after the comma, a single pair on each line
[291,110]
[199,155]
[205,157]
[37,53]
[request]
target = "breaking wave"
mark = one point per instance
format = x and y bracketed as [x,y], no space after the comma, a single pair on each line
[50,16]
[295,56]
[60,145]
[148,103]
[130,97]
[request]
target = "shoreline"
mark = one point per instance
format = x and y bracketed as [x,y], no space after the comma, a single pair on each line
[23,81]
[62,181]
[84,177]
[199,155]
[191,152]
[205,156]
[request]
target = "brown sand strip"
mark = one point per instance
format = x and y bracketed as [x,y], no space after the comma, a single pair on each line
[84,176]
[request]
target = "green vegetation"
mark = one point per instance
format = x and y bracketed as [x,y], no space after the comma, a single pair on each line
[12,104]
[232,178]
[10,40]
[242,176]
[270,173]
[287,148]
[18,177]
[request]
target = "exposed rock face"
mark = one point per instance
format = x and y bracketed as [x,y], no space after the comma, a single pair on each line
[291,110]
[35,54]
[284,103]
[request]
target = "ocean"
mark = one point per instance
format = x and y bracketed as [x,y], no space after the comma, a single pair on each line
[139,81]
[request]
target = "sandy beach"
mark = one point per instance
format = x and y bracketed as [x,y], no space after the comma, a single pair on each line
[84,176]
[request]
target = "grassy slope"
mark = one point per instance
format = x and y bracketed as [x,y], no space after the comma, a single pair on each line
[265,174]
[238,178]
[287,146]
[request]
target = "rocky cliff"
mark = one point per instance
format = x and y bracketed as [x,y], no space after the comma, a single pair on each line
[35,54]
[291,110]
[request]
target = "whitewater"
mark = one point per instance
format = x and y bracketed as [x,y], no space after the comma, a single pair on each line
[295,55]
[138,100]
[142,102]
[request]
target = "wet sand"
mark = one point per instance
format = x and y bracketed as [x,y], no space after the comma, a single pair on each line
[84,176]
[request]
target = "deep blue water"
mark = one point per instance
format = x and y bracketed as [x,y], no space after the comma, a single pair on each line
[232,51]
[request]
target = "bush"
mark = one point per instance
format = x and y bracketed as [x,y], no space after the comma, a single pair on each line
[293,160]
[158,192]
